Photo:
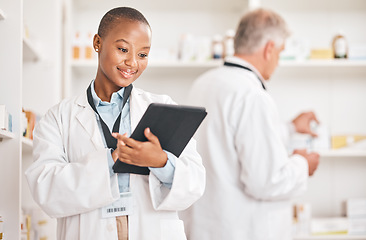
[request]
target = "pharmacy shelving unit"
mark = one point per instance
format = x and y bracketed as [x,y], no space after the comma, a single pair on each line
[30,68]
[169,20]
[334,89]
[10,96]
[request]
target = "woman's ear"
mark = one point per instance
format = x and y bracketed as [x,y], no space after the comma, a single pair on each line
[97,42]
[268,50]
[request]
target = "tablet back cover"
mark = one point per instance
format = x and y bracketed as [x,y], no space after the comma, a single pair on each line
[174,125]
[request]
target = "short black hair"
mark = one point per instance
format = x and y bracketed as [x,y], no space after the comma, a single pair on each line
[115,14]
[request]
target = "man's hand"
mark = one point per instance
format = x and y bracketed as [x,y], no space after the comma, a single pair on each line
[312,158]
[143,154]
[302,123]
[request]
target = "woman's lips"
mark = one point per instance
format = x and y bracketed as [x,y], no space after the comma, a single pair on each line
[127,73]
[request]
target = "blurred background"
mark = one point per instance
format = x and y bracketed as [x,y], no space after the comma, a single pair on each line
[47,55]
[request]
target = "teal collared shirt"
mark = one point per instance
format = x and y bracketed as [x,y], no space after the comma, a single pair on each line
[109,112]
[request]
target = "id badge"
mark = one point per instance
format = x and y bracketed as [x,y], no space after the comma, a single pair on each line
[121,207]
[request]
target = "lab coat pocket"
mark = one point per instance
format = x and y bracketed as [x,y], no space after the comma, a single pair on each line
[172,229]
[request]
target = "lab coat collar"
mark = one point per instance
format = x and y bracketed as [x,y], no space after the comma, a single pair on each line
[87,119]
[244,63]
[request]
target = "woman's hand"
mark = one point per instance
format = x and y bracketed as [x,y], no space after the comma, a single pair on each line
[143,154]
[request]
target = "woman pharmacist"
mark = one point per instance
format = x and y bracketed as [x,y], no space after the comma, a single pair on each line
[72,177]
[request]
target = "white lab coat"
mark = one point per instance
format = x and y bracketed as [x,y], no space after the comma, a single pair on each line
[250,178]
[70,178]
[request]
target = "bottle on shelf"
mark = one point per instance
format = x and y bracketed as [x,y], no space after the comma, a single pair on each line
[340,46]
[302,218]
[76,48]
[203,49]
[186,48]
[5,119]
[89,53]
[26,227]
[229,43]
[217,47]
[31,122]
[1,227]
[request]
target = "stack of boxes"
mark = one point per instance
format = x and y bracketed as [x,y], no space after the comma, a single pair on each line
[5,119]
[356,213]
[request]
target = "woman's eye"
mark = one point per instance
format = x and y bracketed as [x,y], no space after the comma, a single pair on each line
[123,49]
[142,55]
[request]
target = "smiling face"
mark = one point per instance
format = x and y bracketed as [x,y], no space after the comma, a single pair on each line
[122,54]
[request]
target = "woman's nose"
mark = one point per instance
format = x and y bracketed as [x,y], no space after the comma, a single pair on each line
[131,60]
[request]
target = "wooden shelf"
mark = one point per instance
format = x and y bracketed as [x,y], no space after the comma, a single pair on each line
[181,64]
[84,63]
[29,52]
[332,237]
[155,64]
[27,145]
[323,63]
[215,63]
[6,135]
[343,153]
[188,5]
[2,15]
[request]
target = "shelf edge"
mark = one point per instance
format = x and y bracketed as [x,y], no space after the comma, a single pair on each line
[27,145]
[323,63]
[155,64]
[342,153]
[217,63]
[332,237]
[6,134]
[29,52]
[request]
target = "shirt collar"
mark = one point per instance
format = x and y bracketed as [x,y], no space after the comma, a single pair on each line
[242,62]
[117,97]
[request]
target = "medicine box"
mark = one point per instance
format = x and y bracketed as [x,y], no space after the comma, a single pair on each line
[357,226]
[356,207]
[4,118]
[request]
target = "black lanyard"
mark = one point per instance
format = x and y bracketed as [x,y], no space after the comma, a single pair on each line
[110,140]
[248,69]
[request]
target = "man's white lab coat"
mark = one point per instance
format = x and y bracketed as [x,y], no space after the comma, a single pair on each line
[70,178]
[250,177]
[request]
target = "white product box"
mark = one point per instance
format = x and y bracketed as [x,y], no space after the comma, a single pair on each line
[306,141]
[329,226]
[357,226]
[356,207]
[4,118]
[357,52]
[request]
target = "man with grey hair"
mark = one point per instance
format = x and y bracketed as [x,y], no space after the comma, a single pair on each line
[250,176]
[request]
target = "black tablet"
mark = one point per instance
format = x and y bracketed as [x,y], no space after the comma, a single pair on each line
[174,125]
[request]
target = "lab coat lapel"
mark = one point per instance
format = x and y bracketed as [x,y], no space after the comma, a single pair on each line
[138,106]
[86,117]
